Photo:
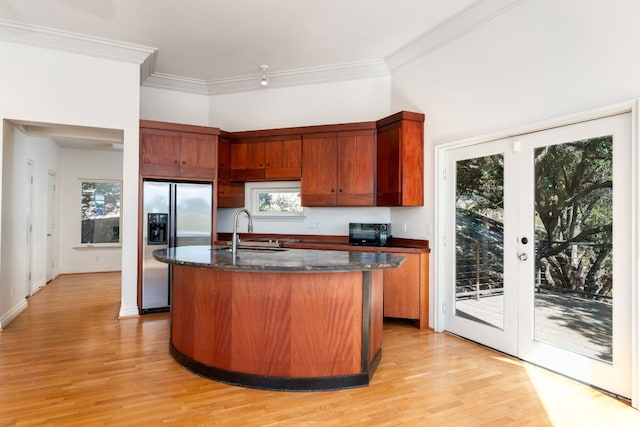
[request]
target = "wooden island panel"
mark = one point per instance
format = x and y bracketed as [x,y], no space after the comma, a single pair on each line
[377,304]
[201,316]
[327,338]
[261,324]
[279,325]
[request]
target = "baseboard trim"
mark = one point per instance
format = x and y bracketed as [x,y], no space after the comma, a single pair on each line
[128,312]
[90,270]
[12,314]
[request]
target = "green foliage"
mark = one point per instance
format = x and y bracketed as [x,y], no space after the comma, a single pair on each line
[100,199]
[573,206]
[480,185]
[573,203]
[279,202]
[574,189]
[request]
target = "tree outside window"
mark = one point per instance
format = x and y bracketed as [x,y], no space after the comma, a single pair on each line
[100,212]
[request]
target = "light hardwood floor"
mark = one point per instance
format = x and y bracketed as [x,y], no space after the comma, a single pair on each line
[68,361]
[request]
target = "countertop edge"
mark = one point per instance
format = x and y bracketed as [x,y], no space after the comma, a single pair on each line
[289,261]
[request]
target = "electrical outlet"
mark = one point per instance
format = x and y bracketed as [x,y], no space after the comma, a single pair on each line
[314,224]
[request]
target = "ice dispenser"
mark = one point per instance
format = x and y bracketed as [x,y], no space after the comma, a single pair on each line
[157,228]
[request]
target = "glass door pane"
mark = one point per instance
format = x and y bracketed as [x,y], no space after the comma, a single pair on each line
[573,246]
[576,209]
[540,229]
[479,236]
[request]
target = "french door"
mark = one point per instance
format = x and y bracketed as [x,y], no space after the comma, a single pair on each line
[536,235]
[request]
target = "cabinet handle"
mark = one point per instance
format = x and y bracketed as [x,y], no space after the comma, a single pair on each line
[333,190]
[184,162]
[268,164]
[340,190]
[175,162]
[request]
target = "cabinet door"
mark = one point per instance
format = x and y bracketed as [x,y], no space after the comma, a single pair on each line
[283,159]
[356,168]
[319,159]
[230,194]
[412,162]
[198,156]
[224,158]
[159,153]
[247,160]
[402,288]
[400,160]
[389,192]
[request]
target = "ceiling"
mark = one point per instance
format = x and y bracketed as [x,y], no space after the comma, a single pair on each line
[217,46]
[79,137]
[210,46]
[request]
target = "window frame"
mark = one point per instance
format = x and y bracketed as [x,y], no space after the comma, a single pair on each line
[253,190]
[118,243]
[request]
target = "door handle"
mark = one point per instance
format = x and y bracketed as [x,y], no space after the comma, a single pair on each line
[522,256]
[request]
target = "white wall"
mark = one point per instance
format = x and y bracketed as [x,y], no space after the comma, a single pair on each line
[50,86]
[13,268]
[539,60]
[327,103]
[172,106]
[77,165]
[269,107]
[329,221]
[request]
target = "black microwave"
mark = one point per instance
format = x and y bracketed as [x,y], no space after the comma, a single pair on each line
[369,234]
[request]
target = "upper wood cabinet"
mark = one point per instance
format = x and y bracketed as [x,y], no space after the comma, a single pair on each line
[159,153]
[170,150]
[230,193]
[400,160]
[266,159]
[338,169]
[224,158]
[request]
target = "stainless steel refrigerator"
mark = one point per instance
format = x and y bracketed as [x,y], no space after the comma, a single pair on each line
[174,214]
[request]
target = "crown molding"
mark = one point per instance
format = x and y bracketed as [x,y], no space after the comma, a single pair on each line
[464,22]
[279,79]
[178,83]
[33,35]
[457,26]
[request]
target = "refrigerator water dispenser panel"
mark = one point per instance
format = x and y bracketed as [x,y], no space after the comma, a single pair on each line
[157,234]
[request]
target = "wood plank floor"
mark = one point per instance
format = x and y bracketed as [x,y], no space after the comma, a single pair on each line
[68,361]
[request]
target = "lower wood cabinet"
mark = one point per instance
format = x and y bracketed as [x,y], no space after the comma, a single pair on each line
[406,289]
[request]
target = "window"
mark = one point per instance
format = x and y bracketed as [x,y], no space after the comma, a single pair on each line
[100,212]
[275,200]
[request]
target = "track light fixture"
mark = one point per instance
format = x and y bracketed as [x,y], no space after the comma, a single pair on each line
[263,75]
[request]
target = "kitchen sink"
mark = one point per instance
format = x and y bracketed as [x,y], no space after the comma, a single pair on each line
[259,243]
[271,240]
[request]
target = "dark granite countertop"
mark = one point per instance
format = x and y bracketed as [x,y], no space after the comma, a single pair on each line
[276,259]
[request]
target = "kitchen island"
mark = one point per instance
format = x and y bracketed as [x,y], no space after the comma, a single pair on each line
[277,319]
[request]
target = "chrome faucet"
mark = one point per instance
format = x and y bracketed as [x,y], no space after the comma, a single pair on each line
[234,243]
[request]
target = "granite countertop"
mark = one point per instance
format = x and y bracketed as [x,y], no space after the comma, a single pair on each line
[276,259]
